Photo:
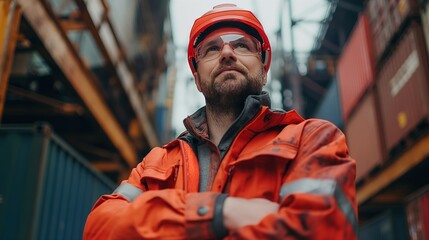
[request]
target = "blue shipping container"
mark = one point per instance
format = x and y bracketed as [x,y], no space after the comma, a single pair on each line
[389,225]
[46,188]
[330,107]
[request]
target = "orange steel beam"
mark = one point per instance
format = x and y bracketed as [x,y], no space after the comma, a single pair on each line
[72,25]
[142,114]
[108,167]
[65,108]
[406,162]
[42,19]
[10,16]
[122,71]
[91,27]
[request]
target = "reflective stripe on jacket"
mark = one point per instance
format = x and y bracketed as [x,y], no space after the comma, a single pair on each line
[302,164]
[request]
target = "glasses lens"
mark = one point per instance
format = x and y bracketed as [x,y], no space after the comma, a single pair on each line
[211,48]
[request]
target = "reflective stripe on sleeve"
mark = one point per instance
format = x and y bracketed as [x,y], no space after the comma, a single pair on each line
[322,187]
[129,191]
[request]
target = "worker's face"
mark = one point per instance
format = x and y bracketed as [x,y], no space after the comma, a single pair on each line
[229,66]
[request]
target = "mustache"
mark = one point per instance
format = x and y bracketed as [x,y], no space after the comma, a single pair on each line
[227,67]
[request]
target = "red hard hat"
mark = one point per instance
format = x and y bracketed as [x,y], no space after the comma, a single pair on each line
[232,16]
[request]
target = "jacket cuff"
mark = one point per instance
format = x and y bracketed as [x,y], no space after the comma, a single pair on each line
[219,228]
[199,212]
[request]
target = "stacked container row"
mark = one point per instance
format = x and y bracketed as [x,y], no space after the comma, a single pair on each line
[384,102]
[403,87]
[387,108]
[355,68]
[47,189]
[364,136]
[356,76]
[387,17]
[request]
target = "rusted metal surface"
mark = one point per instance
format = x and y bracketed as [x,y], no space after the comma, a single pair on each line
[66,108]
[403,87]
[355,67]
[108,166]
[127,78]
[113,54]
[10,15]
[43,21]
[72,25]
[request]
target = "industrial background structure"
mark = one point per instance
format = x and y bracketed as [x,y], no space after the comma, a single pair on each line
[87,89]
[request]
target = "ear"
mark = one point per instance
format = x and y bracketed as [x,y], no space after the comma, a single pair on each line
[197,81]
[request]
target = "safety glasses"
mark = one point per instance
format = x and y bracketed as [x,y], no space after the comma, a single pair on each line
[242,44]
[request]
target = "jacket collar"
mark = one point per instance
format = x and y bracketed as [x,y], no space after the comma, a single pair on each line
[196,124]
[255,117]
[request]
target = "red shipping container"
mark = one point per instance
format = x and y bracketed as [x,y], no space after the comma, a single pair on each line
[403,87]
[355,67]
[385,19]
[363,137]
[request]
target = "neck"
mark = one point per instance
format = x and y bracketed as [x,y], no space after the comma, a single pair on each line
[219,121]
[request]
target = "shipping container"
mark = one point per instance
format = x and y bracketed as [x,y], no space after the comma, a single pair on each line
[403,87]
[389,225]
[355,67]
[424,15]
[46,188]
[417,210]
[386,18]
[364,137]
[330,108]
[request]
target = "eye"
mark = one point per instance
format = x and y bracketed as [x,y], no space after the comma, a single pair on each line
[208,49]
[212,48]
[241,45]
[245,45]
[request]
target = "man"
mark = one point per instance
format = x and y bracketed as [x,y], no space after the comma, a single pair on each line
[241,170]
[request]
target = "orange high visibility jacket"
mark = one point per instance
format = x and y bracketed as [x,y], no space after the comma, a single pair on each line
[303,165]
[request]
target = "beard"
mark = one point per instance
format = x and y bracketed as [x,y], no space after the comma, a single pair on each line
[226,92]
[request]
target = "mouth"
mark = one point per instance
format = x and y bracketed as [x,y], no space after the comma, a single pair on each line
[228,70]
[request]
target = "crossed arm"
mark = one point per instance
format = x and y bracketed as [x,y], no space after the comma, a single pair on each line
[239,212]
[320,205]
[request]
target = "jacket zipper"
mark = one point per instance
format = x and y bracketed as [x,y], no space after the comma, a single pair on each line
[230,170]
[229,178]
[176,171]
[185,167]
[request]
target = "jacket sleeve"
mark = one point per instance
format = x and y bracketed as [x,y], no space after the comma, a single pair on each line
[317,198]
[133,212]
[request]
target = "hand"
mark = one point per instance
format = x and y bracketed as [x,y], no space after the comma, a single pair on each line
[239,212]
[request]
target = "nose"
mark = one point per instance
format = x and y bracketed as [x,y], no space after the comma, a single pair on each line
[227,52]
